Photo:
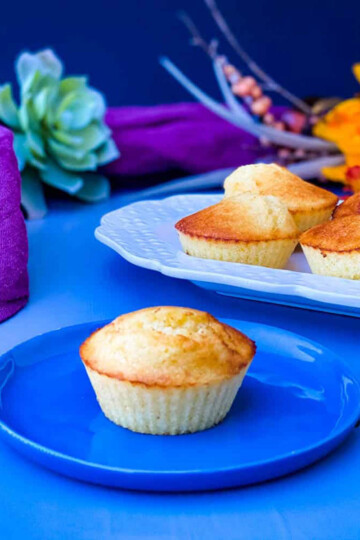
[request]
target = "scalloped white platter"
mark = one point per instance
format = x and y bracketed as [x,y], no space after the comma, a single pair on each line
[144,234]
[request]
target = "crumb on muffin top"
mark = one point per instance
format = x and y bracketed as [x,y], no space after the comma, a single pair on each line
[242,218]
[339,235]
[168,346]
[271,179]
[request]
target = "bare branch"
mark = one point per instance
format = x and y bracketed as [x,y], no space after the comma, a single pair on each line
[211,50]
[276,136]
[196,38]
[252,65]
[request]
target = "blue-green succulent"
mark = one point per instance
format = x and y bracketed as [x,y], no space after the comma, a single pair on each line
[60,137]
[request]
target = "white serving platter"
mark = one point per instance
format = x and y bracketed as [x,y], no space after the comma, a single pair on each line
[144,234]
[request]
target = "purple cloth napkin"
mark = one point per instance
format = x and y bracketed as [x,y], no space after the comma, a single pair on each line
[14,286]
[182,136]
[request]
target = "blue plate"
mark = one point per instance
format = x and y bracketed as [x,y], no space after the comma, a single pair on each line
[297,403]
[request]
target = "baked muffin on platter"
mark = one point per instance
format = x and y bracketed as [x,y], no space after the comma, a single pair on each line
[333,248]
[247,228]
[166,370]
[308,204]
[350,207]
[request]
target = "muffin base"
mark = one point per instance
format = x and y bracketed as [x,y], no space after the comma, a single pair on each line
[269,253]
[164,410]
[307,220]
[344,264]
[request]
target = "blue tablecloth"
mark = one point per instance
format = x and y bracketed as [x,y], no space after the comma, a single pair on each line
[75,279]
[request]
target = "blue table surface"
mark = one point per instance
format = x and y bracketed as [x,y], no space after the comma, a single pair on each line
[76,279]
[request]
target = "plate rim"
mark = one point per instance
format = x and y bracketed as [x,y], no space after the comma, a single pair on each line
[10,435]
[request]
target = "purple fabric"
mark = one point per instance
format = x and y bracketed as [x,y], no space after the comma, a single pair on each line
[14,286]
[184,136]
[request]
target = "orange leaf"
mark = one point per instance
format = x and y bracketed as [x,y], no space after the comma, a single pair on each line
[356,71]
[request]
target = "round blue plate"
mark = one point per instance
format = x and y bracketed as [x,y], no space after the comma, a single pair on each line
[296,404]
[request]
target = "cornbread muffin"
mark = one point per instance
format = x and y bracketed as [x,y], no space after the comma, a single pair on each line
[249,229]
[308,204]
[333,248]
[350,207]
[166,370]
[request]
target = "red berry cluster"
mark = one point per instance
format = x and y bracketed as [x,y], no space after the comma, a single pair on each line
[248,88]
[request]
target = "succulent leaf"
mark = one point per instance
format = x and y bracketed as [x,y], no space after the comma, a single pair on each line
[8,110]
[41,103]
[65,151]
[108,152]
[88,162]
[98,105]
[72,84]
[25,114]
[21,149]
[92,136]
[32,195]
[36,144]
[36,162]
[70,139]
[49,63]
[45,62]
[56,177]
[74,112]
[96,188]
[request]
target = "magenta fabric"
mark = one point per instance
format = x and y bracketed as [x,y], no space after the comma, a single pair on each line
[14,286]
[181,136]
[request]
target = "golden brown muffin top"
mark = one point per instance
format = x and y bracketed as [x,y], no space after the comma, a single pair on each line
[271,179]
[244,218]
[350,207]
[168,346]
[337,235]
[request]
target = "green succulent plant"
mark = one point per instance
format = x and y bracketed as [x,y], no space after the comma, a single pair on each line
[60,137]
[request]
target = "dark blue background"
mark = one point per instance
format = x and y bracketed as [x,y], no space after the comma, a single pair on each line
[308,45]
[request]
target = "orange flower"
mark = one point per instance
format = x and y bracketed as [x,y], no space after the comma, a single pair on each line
[342,126]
